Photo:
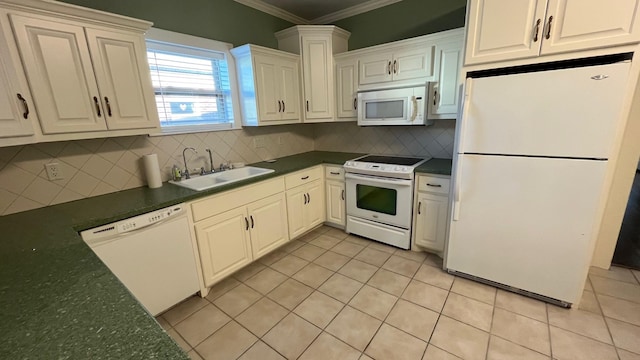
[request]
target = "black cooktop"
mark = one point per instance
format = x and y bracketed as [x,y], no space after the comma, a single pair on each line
[392,160]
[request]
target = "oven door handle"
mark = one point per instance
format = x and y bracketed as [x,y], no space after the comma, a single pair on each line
[380,180]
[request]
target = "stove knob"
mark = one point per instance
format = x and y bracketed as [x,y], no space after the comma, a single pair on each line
[398,168]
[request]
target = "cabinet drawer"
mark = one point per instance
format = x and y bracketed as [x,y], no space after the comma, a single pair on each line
[334,173]
[433,184]
[228,200]
[302,177]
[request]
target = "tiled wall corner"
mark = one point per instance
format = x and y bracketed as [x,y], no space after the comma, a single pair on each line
[99,166]
[434,141]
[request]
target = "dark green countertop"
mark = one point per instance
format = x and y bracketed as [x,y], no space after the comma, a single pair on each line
[436,166]
[58,300]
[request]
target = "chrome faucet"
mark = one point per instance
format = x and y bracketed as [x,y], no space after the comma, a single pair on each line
[184,158]
[210,160]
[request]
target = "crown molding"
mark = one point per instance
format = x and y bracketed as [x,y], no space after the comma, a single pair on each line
[326,19]
[353,11]
[274,10]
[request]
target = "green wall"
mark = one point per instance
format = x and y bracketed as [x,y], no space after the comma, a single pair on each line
[229,21]
[224,20]
[402,20]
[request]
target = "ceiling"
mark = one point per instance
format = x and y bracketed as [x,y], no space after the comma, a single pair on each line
[315,11]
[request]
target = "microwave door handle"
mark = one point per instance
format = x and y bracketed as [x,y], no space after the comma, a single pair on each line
[414,105]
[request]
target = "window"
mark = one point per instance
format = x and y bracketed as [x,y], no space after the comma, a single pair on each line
[192,82]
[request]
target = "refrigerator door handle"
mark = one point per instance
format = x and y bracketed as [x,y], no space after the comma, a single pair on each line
[457,176]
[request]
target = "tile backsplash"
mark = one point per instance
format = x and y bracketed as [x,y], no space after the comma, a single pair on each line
[99,166]
[434,141]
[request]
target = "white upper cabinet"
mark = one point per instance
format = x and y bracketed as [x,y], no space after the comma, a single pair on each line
[269,83]
[16,107]
[316,46]
[59,69]
[400,63]
[346,88]
[444,94]
[87,71]
[582,24]
[121,69]
[514,29]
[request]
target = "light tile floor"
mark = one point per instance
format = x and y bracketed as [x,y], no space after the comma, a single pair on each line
[333,296]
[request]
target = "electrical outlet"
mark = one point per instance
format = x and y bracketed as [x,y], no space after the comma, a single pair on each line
[258,142]
[54,172]
[279,140]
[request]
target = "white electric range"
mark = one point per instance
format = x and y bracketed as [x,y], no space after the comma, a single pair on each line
[379,196]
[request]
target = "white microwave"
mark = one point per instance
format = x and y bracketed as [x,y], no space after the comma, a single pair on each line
[396,106]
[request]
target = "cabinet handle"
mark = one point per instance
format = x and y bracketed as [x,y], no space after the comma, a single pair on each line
[279,106]
[251,217]
[549,28]
[535,37]
[395,66]
[355,103]
[389,67]
[434,185]
[106,101]
[25,114]
[308,198]
[304,177]
[307,105]
[305,198]
[342,195]
[419,207]
[334,173]
[95,100]
[246,223]
[435,96]
[283,106]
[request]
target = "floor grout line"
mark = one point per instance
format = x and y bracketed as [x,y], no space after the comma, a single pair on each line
[427,260]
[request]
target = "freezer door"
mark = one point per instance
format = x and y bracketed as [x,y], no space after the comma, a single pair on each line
[526,222]
[565,113]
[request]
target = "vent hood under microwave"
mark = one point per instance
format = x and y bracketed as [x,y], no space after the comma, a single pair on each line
[394,106]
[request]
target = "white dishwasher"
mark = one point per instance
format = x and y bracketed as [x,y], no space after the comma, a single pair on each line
[151,254]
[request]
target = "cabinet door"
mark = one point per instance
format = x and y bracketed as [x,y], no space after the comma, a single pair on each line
[504,29]
[583,24]
[224,245]
[335,202]
[15,114]
[317,71]
[346,88]
[58,66]
[315,210]
[123,76]
[289,83]
[375,68]
[267,88]
[431,221]
[296,204]
[268,224]
[445,93]
[413,63]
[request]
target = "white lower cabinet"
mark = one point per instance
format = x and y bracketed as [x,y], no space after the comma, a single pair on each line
[305,200]
[335,196]
[224,244]
[232,230]
[431,211]
[267,224]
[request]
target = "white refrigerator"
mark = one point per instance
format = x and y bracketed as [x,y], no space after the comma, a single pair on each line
[530,163]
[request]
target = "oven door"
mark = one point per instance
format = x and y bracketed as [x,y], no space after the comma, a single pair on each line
[379,199]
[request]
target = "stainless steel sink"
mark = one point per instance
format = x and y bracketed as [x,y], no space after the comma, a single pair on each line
[205,182]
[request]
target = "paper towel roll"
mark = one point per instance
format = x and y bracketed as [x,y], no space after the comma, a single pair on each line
[152,170]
